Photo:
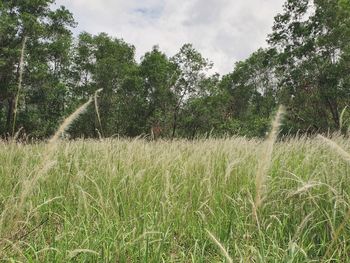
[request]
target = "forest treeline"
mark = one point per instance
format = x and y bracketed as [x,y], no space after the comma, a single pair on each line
[306,67]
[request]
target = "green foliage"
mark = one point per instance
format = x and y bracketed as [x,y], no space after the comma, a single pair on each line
[46,64]
[312,41]
[158,75]
[306,67]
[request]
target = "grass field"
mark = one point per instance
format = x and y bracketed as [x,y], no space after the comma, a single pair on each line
[180,201]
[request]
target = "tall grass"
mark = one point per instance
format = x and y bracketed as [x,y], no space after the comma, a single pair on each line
[137,201]
[14,209]
[346,156]
[264,162]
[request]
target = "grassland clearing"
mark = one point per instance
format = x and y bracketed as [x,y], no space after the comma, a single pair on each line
[138,201]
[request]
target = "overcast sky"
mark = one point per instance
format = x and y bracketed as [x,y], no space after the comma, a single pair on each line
[225,31]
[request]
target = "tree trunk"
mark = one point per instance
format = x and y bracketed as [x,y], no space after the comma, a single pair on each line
[10,111]
[1,119]
[194,131]
[335,113]
[174,126]
[176,112]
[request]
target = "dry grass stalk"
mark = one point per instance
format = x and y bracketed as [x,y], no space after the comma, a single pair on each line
[306,187]
[69,121]
[97,110]
[265,161]
[221,247]
[20,80]
[47,163]
[301,227]
[16,210]
[345,155]
[16,135]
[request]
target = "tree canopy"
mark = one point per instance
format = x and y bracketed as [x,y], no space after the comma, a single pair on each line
[306,67]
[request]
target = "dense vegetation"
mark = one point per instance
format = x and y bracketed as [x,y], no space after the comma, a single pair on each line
[237,199]
[138,201]
[305,67]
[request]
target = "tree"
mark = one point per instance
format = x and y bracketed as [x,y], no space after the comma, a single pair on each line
[48,37]
[312,40]
[158,75]
[251,90]
[108,63]
[205,112]
[191,69]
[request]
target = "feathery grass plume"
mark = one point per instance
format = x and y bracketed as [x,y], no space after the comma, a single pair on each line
[97,110]
[301,227]
[16,208]
[28,185]
[69,121]
[222,249]
[265,161]
[47,160]
[306,187]
[20,80]
[346,156]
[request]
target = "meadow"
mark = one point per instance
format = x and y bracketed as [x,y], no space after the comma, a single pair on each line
[213,200]
[148,199]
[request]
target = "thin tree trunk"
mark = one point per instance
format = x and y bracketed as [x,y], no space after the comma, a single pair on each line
[20,79]
[194,131]
[1,111]
[335,113]
[10,111]
[174,126]
[174,123]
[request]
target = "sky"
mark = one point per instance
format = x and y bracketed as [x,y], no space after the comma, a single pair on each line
[224,31]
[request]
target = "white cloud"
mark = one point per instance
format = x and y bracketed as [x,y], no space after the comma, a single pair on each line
[224,31]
